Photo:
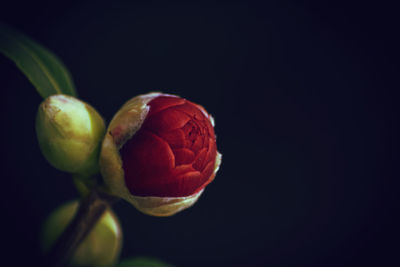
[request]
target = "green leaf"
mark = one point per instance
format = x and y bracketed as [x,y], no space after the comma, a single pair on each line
[143,262]
[45,71]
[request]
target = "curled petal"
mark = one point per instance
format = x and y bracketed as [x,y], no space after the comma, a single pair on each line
[166,120]
[148,157]
[164,102]
[183,156]
[175,138]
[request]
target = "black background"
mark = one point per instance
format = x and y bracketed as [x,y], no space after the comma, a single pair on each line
[304,102]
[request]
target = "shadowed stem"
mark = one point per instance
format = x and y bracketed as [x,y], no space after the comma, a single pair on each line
[90,210]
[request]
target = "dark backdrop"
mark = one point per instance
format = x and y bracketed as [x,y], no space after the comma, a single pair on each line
[304,104]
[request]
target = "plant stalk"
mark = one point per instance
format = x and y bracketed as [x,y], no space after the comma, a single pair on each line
[90,210]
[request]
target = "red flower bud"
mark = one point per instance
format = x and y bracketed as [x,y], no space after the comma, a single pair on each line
[159,153]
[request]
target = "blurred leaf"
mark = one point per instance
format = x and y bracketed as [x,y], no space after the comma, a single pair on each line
[45,71]
[143,262]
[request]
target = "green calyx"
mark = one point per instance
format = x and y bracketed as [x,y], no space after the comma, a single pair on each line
[70,132]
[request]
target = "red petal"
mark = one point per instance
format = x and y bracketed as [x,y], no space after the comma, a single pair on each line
[200,157]
[166,120]
[183,156]
[198,143]
[188,182]
[211,152]
[175,138]
[190,109]
[210,129]
[208,170]
[146,158]
[182,169]
[206,177]
[164,102]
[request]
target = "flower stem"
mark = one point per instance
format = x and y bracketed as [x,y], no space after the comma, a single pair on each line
[89,212]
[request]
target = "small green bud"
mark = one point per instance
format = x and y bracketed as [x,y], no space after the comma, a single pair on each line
[101,247]
[70,132]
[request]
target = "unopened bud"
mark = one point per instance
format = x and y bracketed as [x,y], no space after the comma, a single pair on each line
[159,153]
[70,132]
[101,247]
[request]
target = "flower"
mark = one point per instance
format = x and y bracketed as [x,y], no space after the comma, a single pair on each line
[70,132]
[159,153]
[101,247]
